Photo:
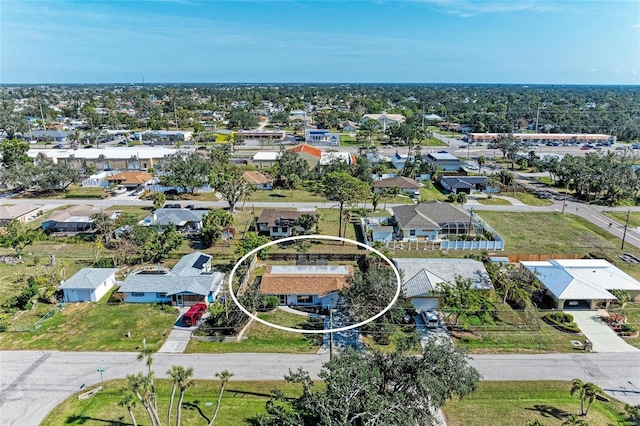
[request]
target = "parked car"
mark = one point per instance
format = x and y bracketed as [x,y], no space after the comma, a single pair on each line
[172,206]
[194,314]
[430,319]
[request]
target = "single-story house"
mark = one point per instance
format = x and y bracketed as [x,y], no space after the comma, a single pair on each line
[53,135]
[399,160]
[581,282]
[348,126]
[431,221]
[304,285]
[466,184]
[443,160]
[280,222]
[331,157]
[258,179]
[423,278]
[406,185]
[131,180]
[88,284]
[189,282]
[74,219]
[20,212]
[310,154]
[384,119]
[183,219]
[265,159]
[321,137]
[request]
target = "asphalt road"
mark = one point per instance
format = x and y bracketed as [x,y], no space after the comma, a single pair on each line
[34,382]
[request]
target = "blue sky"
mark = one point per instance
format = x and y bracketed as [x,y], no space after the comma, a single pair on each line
[386,41]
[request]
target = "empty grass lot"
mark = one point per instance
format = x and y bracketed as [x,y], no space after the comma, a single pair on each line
[528,198]
[284,195]
[494,201]
[621,217]
[96,327]
[516,403]
[262,338]
[241,402]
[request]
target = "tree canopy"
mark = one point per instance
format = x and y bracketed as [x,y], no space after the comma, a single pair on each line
[374,388]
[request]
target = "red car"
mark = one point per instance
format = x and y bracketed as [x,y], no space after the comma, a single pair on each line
[194,314]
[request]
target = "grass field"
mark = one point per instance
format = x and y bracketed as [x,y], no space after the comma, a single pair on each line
[494,201]
[494,403]
[621,217]
[262,338]
[516,403]
[282,195]
[240,403]
[510,338]
[528,198]
[96,327]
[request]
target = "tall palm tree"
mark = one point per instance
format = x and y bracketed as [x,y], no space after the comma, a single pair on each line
[224,377]
[128,401]
[577,387]
[178,375]
[146,354]
[183,383]
[375,199]
[141,387]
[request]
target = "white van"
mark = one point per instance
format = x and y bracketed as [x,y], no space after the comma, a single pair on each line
[430,319]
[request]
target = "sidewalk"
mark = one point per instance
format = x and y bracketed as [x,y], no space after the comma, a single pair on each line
[601,336]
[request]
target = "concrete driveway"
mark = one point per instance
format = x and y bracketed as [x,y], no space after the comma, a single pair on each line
[603,338]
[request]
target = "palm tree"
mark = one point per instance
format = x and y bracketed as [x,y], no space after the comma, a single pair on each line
[481,160]
[128,401]
[183,383]
[178,375]
[577,387]
[591,392]
[141,386]
[224,377]
[159,199]
[147,355]
[375,199]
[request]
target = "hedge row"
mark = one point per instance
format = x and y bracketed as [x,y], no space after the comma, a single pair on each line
[562,321]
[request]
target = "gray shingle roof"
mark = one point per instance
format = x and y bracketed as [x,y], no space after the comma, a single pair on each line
[463,181]
[177,217]
[401,182]
[422,276]
[88,278]
[428,215]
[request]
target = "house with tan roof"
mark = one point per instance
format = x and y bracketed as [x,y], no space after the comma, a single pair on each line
[131,180]
[310,154]
[384,119]
[280,222]
[405,184]
[306,285]
[72,220]
[21,212]
[258,179]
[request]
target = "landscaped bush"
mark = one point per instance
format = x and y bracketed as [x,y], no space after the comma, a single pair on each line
[562,321]
[627,330]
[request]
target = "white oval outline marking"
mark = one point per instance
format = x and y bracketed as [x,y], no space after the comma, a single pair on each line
[314,237]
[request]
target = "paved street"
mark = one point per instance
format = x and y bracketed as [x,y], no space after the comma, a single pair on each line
[34,382]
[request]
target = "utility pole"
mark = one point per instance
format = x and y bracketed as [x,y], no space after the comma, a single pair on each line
[330,333]
[566,193]
[537,118]
[626,225]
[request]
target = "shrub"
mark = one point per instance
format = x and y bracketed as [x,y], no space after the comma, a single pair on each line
[562,321]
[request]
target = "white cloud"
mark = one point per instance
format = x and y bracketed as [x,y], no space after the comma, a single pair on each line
[635,26]
[468,8]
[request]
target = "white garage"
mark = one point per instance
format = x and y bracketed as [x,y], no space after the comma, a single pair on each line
[89,284]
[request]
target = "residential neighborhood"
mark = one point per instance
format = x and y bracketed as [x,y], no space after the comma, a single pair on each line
[119,238]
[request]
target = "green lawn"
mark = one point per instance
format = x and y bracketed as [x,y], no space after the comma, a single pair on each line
[528,198]
[516,403]
[494,201]
[621,217]
[96,327]
[494,403]
[430,194]
[76,191]
[632,312]
[281,195]
[262,338]
[510,338]
[241,401]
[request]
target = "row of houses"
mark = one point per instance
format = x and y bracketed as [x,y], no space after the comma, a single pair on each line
[586,282]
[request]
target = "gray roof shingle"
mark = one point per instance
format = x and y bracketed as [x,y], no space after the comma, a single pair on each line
[88,278]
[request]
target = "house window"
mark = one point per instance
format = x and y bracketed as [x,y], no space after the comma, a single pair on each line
[137,294]
[412,233]
[285,229]
[283,299]
[305,299]
[161,295]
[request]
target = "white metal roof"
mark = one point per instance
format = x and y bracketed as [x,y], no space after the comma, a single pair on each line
[266,156]
[581,279]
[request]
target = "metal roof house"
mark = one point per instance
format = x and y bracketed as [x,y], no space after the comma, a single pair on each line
[89,284]
[182,219]
[581,281]
[189,282]
[423,278]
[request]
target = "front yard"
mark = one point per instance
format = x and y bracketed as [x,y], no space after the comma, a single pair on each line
[96,327]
